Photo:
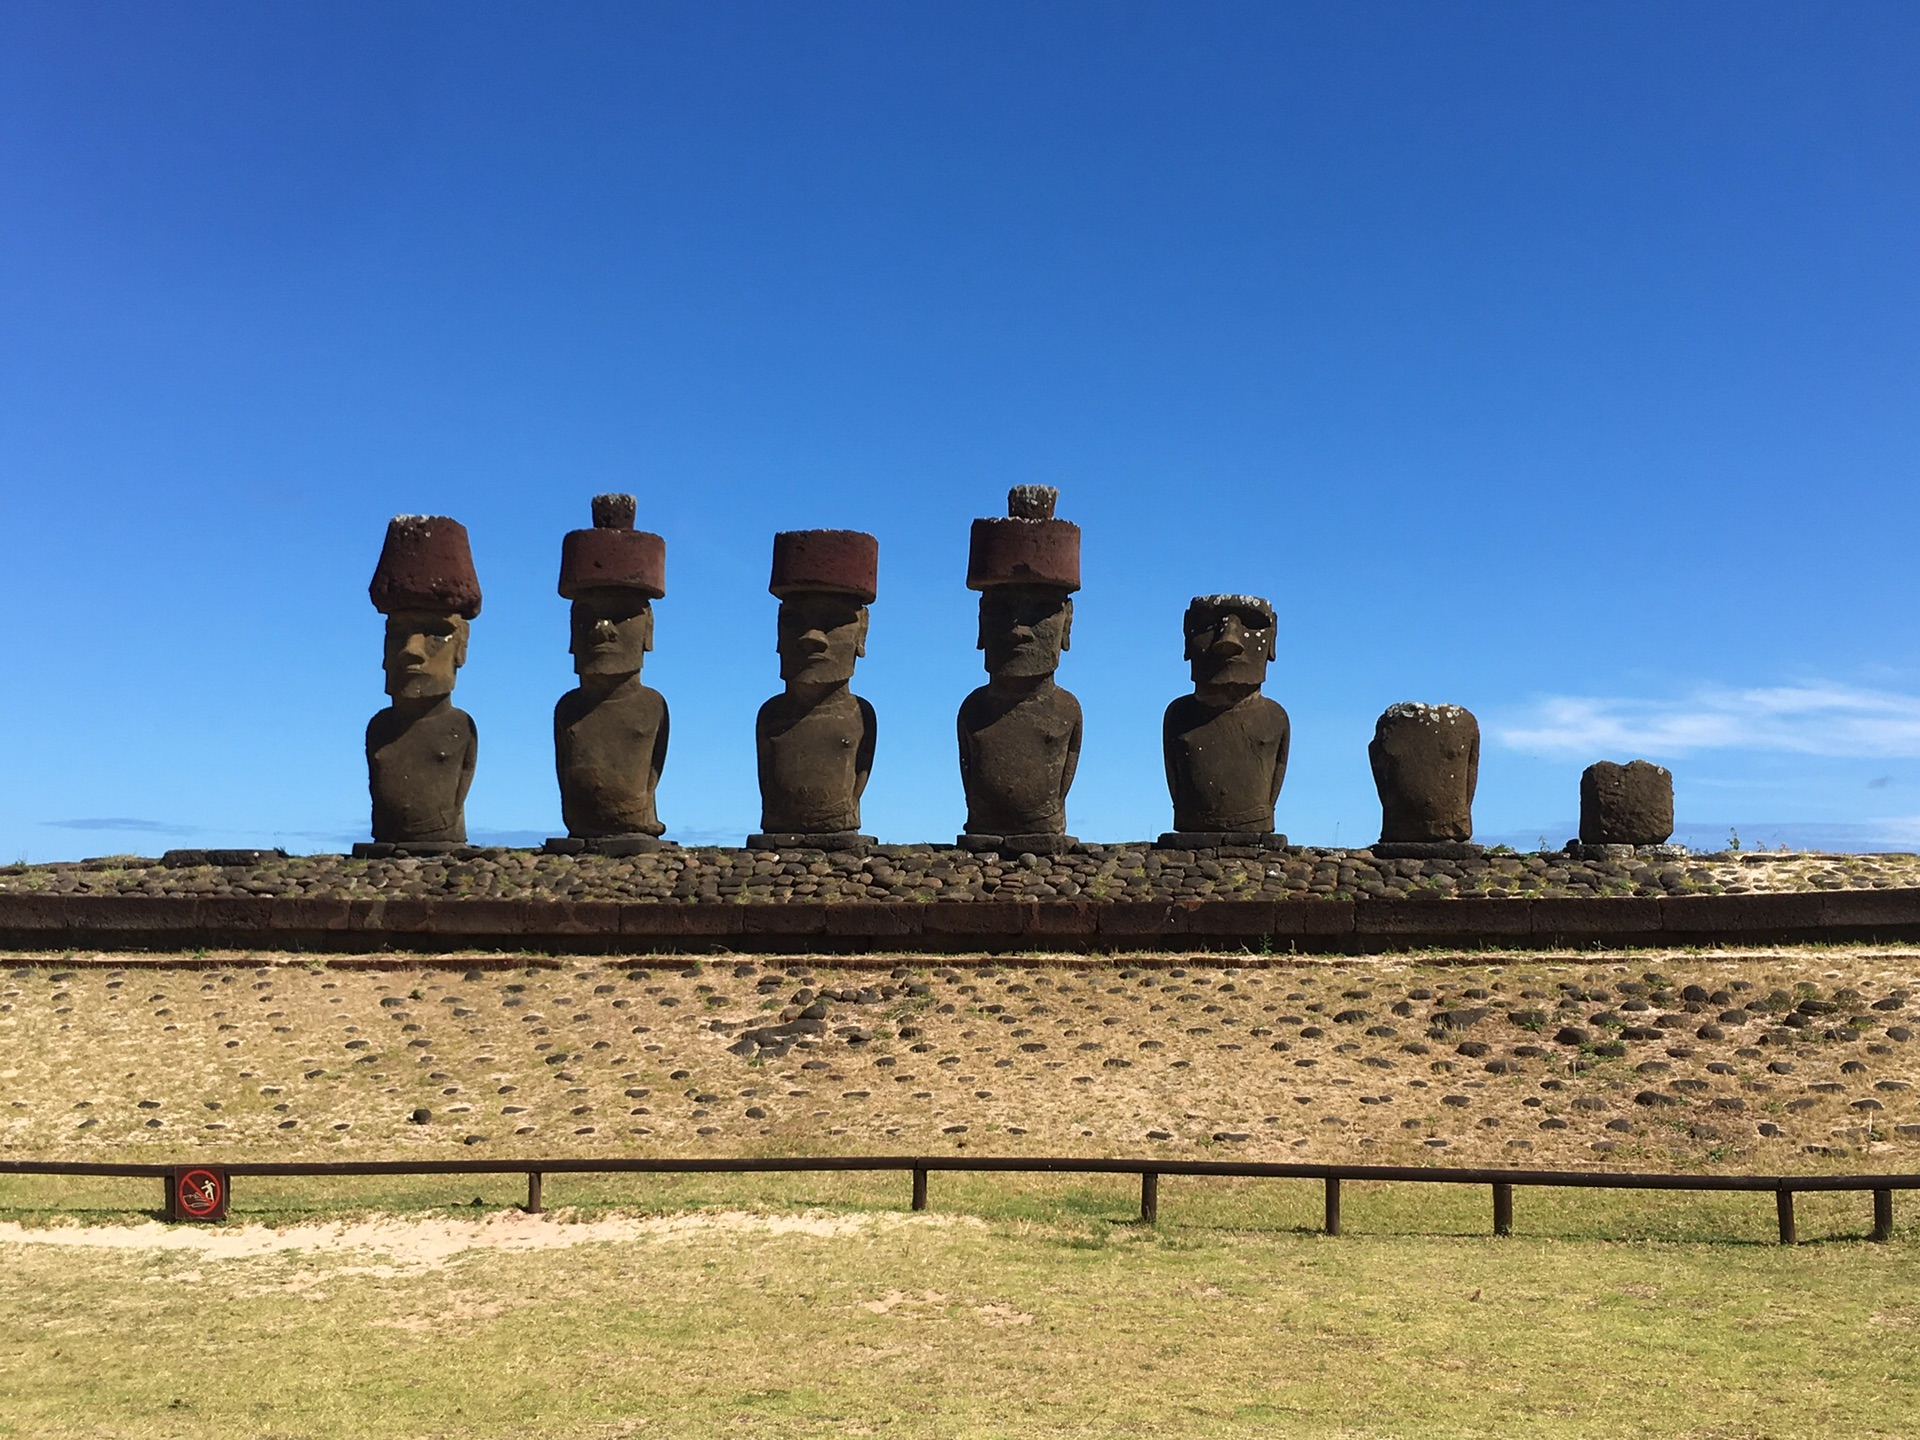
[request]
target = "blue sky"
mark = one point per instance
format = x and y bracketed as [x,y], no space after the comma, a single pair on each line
[1559,361]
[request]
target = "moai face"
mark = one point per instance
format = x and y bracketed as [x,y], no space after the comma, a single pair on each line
[1229,641]
[1024,629]
[424,651]
[820,637]
[611,632]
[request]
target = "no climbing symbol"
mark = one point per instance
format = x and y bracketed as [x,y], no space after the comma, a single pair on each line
[197,1193]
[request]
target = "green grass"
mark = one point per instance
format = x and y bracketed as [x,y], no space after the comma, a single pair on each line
[1026,1306]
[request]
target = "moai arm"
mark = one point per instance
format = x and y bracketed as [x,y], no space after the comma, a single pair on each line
[863,756]
[467,762]
[1072,761]
[1166,751]
[1280,753]
[658,761]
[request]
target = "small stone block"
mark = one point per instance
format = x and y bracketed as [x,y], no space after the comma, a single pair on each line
[186,859]
[1017,844]
[841,842]
[1216,839]
[1427,850]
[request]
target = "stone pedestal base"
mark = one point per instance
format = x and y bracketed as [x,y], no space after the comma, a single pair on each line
[850,842]
[414,849]
[612,846]
[1215,839]
[1017,844]
[1579,850]
[1427,850]
[184,859]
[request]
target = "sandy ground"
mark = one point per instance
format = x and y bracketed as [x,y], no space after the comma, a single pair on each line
[1446,1059]
[411,1244]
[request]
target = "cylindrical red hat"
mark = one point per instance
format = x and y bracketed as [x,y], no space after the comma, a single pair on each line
[613,555]
[1029,547]
[839,562]
[425,564]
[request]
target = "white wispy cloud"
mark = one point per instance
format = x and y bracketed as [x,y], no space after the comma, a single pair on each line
[1815,719]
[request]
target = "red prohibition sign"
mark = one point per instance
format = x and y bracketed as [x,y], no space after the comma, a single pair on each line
[200,1193]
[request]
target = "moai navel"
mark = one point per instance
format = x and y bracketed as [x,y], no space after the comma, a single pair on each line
[1226,743]
[815,740]
[1625,809]
[1020,732]
[1426,763]
[610,734]
[421,749]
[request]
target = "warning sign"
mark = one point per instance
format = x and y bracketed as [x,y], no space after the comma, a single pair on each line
[198,1192]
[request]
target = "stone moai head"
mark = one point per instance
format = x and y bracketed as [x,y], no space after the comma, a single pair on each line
[1426,764]
[425,585]
[612,573]
[1629,804]
[1230,639]
[1026,568]
[825,579]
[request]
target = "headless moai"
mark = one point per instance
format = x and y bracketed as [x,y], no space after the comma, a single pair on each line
[814,741]
[1020,732]
[1426,763]
[1626,805]
[1226,743]
[421,749]
[610,734]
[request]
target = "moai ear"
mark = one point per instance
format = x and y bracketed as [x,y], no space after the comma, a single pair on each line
[860,636]
[1273,636]
[460,633]
[1066,627]
[646,645]
[980,634]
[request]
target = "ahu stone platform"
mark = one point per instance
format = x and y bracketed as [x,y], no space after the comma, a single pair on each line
[900,899]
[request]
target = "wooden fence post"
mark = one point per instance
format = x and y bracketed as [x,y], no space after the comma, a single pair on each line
[1149,1197]
[1883,1214]
[1783,1204]
[534,1182]
[1502,1209]
[919,1187]
[1333,1205]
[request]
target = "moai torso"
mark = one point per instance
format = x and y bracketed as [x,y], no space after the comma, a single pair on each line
[1225,764]
[609,750]
[1018,753]
[814,761]
[419,767]
[1426,764]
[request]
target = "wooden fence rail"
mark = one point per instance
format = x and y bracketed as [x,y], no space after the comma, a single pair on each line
[1502,1182]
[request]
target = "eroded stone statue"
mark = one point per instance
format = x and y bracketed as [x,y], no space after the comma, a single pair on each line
[1226,743]
[1426,763]
[1020,732]
[815,740]
[610,734]
[1629,804]
[421,749]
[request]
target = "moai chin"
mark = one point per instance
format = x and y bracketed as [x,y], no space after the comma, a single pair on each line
[610,734]
[1020,732]
[421,749]
[1624,808]
[1226,743]
[815,740]
[1426,763]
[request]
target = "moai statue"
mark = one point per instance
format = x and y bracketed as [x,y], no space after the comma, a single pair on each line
[420,749]
[1426,762]
[815,740]
[1020,732]
[1226,743]
[1625,807]
[610,735]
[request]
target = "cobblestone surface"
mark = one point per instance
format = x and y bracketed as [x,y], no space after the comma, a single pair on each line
[927,873]
[1761,1059]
